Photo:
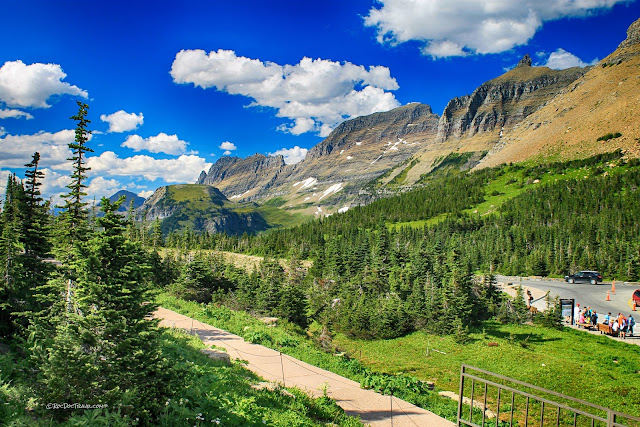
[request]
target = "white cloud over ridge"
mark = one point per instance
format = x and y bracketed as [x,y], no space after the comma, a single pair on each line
[32,85]
[15,114]
[462,27]
[100,187]
[121,121]
[291,155]
[315,94]
[561,59]
[185,168]
[161,143]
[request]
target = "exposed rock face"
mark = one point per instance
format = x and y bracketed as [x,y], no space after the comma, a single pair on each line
[400,122]
[363,149]
[629,48]
[237,176]
[604,100]
[504,101]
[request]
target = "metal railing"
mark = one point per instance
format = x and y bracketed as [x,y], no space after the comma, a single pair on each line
[523,408]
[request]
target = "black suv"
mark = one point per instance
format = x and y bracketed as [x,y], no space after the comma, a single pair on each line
[592,277]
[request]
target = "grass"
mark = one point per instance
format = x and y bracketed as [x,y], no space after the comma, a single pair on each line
[593,368]
[213,394]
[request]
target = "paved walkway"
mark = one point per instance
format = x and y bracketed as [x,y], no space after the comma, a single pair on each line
[373,408]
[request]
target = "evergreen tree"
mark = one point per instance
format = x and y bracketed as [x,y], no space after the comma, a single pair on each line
[11,269]
[106,350]
[75,213]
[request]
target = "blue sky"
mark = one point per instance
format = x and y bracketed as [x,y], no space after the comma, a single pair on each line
[173,86]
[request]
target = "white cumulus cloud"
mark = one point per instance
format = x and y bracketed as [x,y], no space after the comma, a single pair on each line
[146,193]
[228,146]
[16,150]
[11,113]
[185,168]
[561,59]
[32,85]
[161,143]
[100,187]
[315,94]
[53,185]
[121,121]
[463,27]
[291,155]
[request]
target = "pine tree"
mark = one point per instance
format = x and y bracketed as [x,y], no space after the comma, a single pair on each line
[75,215]
[107,350]
[11,269]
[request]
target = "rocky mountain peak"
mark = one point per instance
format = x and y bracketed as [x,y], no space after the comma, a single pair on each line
[525,61]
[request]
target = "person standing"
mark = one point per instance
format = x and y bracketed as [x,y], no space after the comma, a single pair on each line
[632,323]
[576,314]
[529,297]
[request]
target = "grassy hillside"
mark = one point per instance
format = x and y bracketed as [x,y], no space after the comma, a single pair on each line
[204,208]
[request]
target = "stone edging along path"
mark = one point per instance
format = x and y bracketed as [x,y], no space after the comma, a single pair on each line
[373,408]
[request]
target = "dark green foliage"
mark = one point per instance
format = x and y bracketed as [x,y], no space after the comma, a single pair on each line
[75,213]
[551,317]
[609,136]
[105,348]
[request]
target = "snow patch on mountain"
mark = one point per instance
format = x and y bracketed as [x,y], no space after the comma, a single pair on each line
[331,190]
[309,182]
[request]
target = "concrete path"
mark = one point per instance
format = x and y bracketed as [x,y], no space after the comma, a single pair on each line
[373,408]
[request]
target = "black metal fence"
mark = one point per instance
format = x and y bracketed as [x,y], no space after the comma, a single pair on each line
[488,399]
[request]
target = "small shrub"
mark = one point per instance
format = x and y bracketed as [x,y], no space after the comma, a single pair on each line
[609,136]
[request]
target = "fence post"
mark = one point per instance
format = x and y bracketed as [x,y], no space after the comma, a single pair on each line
[611,418]
[461,391]
[284,384]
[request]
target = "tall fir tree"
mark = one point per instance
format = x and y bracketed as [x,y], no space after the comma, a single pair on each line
[107,350]
[75,213]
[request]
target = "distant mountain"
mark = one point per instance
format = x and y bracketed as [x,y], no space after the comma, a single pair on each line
[137,200]
[200,208]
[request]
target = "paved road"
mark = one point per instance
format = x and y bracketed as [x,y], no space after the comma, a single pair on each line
[585,294]
[373,409]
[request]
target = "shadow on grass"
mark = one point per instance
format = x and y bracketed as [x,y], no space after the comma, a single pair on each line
[496,330]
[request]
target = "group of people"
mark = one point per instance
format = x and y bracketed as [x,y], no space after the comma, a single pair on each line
[619,324]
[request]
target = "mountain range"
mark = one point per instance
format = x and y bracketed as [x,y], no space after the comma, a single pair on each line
[529,113]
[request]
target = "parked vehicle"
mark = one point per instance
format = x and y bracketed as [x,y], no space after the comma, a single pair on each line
[592,277]
[636,296]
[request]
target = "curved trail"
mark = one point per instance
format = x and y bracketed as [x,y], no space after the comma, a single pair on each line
[373,408]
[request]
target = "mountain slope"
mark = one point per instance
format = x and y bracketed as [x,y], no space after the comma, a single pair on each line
[335,172]
[137,200]
[201,208]
[606,100]
[527,113]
